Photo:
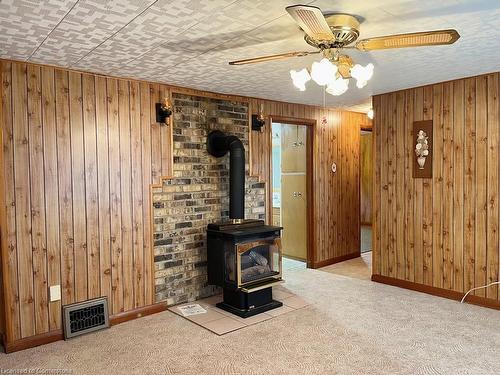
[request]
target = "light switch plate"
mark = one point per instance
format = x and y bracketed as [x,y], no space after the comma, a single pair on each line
[55,293]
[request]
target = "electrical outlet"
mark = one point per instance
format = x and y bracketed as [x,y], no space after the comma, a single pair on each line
[55,293]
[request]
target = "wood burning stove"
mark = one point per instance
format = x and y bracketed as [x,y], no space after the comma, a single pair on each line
[244,256]
[245,260]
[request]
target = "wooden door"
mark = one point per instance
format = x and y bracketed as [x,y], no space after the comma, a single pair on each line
[294,190]
[293,148]
[294,215]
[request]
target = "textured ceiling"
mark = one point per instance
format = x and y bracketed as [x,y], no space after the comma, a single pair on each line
[189,42]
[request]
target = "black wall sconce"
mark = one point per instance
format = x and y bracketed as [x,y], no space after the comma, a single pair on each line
[258,121]
[163,111]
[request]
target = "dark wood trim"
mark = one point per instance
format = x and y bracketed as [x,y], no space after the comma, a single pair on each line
[439,292]
[293,120]
[47,338]
[311,124]
[137,313]
[32,341]
[339,259]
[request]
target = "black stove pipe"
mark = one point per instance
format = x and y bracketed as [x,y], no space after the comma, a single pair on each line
[218,144]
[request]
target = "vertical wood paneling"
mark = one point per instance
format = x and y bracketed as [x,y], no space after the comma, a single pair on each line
[91,187]
[9,235]
[80,154]
[63,131]
[422,267]
[78,185]
[481,203]
[458,183]
[146,175]
[37,193]
[409,191]
[126,194]
[391,183]
[437,187]
[115,197]
[51,191]
[454,216]
[384,183]
[103,186]
[492,266]
[469,183]
[447,198]
[22,198]
[137,193]
[376,220]
[427,197]
[400,186]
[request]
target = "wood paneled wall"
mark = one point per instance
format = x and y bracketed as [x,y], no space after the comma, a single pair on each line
[366,178]
[441,232]
[336,195]
[80,155]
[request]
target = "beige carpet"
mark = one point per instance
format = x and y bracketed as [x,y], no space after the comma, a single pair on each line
[352,327]
[357,268]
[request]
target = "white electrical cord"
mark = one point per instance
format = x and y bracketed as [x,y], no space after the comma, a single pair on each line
[479,287]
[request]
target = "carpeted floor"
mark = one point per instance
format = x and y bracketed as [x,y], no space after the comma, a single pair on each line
[352,327]
[357,268]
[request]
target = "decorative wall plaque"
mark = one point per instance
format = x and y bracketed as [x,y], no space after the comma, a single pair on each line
[422,149]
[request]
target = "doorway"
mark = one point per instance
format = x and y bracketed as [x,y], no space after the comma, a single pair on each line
[290,193]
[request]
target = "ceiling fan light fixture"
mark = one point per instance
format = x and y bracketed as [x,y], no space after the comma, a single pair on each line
[338,86]
[362,74]
[300,78]
[323,72]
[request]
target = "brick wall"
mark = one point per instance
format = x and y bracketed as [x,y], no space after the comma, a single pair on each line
[198,195]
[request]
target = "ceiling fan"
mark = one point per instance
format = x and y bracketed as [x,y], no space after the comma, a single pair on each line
[333,32]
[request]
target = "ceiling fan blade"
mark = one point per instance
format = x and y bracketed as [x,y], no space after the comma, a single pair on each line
[280,56]
[425,38]
[311,20]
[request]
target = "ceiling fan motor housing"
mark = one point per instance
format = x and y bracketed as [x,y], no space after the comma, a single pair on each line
[345,29]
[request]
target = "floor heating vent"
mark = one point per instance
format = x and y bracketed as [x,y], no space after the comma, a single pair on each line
[84,317]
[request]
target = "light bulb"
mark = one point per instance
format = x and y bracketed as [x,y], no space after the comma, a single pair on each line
[338,87]
[362,74]
[370,114]
[300,78]
[323,72]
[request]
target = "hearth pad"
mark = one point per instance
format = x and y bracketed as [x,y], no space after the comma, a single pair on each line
[220,321]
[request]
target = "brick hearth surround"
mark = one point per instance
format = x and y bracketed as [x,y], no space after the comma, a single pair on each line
[197,195]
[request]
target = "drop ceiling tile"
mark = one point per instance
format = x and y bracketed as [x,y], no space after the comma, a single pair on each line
[24,24]
[88,24]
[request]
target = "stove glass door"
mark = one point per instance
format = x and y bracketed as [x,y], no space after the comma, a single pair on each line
[258,260]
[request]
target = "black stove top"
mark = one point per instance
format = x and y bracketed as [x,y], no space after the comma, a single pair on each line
[243,228]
